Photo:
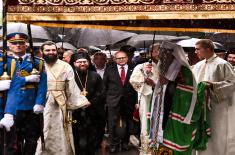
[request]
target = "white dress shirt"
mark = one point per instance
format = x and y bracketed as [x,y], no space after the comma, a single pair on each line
[100,71]
[120,69]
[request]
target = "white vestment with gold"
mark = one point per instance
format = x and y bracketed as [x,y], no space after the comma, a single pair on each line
[63,96]
[145,94]
[222,103]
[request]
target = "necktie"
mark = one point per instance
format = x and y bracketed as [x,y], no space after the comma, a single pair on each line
[20,60]
[123,75]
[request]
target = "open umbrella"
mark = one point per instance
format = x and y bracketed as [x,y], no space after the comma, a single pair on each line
[38,32]
[92,50]
[95,37]
[227,39]
[223,37]
[190,43]
[65,45]
[37,44]
[141,40]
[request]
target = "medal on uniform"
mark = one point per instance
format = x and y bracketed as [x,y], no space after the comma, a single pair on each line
[83,92]
[162,150]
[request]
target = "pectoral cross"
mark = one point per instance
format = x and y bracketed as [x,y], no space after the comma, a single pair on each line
[84,92]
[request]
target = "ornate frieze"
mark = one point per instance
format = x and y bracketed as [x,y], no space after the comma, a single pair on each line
[86,10]
[116,2]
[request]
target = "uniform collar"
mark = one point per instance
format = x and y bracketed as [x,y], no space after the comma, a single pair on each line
[23,57]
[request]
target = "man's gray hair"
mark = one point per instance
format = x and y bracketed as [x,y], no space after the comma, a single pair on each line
[154,46]
[69,52]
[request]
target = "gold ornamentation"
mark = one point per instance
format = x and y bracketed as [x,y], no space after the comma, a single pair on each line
[41,1]
[101,2]
[218,1]
[70,119]
[57,2]
[164,151]
[178,1]
[24,73]
[71,2]
[150,1]
[35,72]
[85,2]
[124,8]
[144,149]
[83,92]
[117,1]
[26,1]
[5,76]
[108,2]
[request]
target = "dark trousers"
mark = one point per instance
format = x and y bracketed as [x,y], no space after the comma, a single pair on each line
[10,142]
[85,133]
[27,131]
[119,120]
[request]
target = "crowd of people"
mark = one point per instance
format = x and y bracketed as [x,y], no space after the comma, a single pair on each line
[64,103]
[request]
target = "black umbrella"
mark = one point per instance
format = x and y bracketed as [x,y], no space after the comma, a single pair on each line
[141,40]
[190,43]
[38,32]
[96,37]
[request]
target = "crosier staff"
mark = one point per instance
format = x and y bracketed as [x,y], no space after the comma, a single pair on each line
[150,105]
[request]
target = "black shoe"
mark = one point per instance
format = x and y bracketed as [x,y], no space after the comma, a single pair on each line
[125,147]
[112,149]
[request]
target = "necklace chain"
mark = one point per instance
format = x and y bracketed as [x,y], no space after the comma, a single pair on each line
[84,87]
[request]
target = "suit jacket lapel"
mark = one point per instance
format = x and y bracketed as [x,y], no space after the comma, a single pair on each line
[128,74]
[117,74]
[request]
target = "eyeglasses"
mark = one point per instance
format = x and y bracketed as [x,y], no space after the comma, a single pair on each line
[80,62]
[121,58]
[18,42]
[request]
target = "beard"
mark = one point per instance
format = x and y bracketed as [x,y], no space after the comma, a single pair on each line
[82,68]
[50,59]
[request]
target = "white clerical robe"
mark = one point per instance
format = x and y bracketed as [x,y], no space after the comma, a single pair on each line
[222,102]
[63,96]
[145,94]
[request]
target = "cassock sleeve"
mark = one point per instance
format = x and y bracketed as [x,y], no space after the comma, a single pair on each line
[223,90]
[99,91]
[137,78]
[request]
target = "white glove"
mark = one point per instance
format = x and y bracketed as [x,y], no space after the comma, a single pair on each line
[5,84]
[32,78]
[37,109]
[7,121]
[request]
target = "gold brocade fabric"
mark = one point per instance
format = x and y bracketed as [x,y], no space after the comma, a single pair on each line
[66,13]
[56,85]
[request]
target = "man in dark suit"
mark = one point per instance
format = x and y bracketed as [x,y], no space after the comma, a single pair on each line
[120,101]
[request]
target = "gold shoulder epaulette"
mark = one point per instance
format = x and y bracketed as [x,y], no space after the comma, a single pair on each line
[38,58]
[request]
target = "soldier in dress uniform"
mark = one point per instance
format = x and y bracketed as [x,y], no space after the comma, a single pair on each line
[27,94]
[6,119]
